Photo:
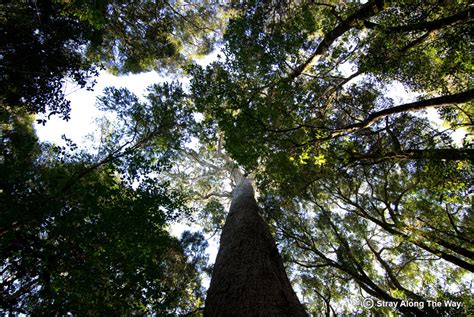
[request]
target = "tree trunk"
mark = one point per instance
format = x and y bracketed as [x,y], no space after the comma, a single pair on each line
[249,278]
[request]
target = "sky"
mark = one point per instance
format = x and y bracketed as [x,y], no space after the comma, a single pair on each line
[83,110]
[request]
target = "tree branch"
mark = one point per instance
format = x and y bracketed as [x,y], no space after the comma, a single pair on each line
[458,98]
[423,26]
[367,10]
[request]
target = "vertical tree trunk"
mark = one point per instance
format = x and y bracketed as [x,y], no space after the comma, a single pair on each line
[249,278]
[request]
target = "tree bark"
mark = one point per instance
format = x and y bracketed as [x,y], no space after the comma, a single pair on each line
[249,278]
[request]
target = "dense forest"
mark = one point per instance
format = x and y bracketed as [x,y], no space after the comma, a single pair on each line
[351,120]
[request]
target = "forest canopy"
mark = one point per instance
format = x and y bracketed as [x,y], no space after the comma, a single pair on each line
[367,191]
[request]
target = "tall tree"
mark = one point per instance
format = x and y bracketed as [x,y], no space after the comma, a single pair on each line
[248,277]
[300,98]
[367,196]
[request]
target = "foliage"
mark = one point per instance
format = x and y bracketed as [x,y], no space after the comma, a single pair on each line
[46,43]
[148,35]
[382,230]
[88,243]
[40,47]
[143,137]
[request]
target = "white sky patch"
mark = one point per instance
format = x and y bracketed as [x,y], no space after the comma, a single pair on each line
[399,93]
[84,112]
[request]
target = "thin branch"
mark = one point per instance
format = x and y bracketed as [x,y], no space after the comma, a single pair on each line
[367,10]
[423,26]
